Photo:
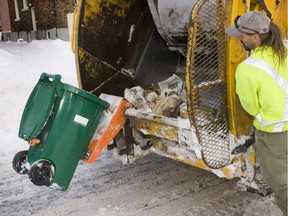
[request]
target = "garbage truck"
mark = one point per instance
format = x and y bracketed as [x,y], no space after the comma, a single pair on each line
[119,45]
[166,67]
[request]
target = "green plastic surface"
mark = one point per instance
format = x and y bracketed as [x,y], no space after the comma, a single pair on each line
[86,94]
[67,131]
[39,106]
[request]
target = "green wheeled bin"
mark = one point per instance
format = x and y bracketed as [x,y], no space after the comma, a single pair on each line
[58,121]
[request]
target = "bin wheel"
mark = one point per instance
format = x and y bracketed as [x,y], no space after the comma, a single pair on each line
[41,172]
[19,161]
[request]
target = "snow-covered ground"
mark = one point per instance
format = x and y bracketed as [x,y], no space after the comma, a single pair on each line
[151,186]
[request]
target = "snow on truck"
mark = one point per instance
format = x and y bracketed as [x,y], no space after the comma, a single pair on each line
[164,74]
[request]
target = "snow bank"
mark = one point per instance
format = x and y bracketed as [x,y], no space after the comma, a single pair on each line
[19,76]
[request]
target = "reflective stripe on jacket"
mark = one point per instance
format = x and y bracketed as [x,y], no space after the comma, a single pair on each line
[262,88]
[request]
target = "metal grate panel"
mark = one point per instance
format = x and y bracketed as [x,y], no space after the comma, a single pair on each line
[208,94]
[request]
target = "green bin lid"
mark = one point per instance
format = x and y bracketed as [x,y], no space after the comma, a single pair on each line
[86,94]
[37,111]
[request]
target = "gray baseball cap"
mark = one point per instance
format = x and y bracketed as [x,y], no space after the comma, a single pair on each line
[253,22]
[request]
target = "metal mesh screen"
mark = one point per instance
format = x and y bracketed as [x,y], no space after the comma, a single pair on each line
[208,82]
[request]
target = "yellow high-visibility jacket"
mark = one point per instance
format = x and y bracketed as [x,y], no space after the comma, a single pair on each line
[262,87]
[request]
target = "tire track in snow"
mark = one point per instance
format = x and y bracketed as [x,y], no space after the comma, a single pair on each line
[153,185]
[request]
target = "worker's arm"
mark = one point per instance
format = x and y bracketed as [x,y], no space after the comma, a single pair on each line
[247,90]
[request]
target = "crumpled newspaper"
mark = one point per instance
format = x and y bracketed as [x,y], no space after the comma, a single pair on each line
[169,100]
[135,96]
[172,84]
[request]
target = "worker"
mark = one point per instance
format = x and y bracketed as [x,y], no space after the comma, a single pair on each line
[262,88]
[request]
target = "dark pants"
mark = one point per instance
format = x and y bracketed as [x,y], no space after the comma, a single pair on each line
[272,156]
